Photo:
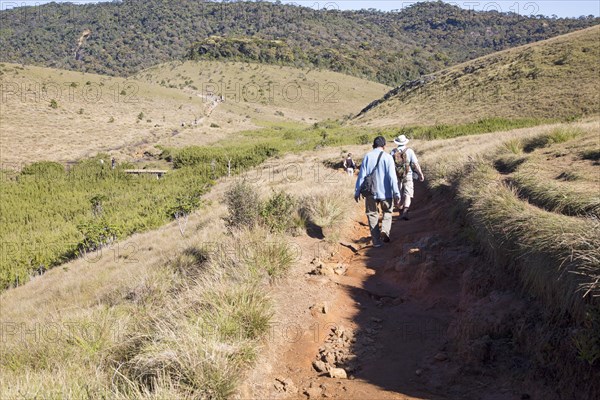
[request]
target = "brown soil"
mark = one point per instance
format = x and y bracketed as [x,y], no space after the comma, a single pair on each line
[399,307]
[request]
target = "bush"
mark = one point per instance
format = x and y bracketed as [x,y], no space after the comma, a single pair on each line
[96,235]
[243,204]
[53,104]
[44,169]
[364,139]
[325,211]
[277,212]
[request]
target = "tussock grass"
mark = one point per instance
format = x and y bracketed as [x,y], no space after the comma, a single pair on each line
[555,197]
[559,135]
[324,210]
[554,253]
[266,252]
[514,146]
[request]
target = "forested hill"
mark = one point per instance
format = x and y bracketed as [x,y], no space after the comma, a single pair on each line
[390,47]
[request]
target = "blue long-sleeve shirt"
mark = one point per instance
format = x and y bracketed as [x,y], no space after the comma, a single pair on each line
[386,181]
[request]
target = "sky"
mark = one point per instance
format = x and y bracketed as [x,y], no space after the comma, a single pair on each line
[561,8]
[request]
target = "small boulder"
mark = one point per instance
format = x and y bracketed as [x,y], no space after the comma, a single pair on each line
[338,373]
[319,366]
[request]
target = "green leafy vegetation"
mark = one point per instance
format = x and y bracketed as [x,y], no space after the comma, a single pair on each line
[389,47]
[49,215]
[486,125]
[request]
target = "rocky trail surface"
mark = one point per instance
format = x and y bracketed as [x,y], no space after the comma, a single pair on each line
[382,323]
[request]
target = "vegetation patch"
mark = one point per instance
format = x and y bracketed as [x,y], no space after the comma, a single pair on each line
[487,125]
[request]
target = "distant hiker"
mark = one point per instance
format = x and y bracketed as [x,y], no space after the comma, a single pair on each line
[378,185]
[349,165]
[113,163]
[407,168]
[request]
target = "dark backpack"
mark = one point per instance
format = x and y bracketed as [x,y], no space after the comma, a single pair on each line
[402,164]
[368,187]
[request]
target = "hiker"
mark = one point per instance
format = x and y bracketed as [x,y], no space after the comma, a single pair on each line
[407,168]
[349,165]
[113,163]
[378,185]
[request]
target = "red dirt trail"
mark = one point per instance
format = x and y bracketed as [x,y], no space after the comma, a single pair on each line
[396,306]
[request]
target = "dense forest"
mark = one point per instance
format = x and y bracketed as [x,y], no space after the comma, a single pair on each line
[120,38]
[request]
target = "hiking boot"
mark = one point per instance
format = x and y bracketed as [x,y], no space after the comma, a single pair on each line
[377,245]
[385,237]
[405,214]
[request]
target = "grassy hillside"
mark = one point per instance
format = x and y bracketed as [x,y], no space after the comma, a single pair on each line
[126,117]
[120,38]
[268,92]
[529,198]
[556,78]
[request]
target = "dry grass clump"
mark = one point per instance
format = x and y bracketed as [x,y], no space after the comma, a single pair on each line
[325,210]
[554,253]
[552,176]
[556,197]
[559,135]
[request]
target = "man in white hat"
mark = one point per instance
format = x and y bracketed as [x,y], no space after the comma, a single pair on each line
[407,168]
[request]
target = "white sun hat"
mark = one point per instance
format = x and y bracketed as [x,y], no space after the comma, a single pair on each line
[401,140]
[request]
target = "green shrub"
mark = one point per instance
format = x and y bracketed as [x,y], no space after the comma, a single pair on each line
[243,205]
[364,139]
[277,212]
[96,234]
[53,104]
[485,125]
[44,169]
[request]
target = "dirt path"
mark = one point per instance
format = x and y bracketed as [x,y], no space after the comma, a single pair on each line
[388,321]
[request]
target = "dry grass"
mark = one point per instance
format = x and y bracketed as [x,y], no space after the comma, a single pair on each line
[523,82]
[552,250]
[264,91]
[547,255]
[554,176]
[127,117]
[181,317]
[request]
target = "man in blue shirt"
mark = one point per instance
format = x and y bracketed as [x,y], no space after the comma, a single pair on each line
[386,190]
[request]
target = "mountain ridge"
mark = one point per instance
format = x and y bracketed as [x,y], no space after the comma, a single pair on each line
[388,47]
[555,78]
